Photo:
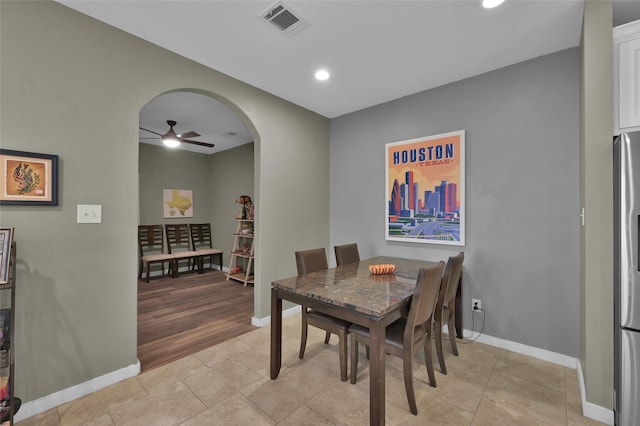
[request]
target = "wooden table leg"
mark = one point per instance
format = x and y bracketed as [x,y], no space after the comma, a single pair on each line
[377,373]
[276,334]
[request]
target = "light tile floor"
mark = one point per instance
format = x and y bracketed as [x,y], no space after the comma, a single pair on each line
[229,384]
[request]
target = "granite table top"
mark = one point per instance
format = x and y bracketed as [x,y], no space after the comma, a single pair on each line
[353,287]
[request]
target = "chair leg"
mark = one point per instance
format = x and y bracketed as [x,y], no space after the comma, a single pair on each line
[148,272]
[428,360]
[326,337]
[438,327]
[354,359]
[176,269]
[342,349]
[303,336]
[408,381]
[452,331]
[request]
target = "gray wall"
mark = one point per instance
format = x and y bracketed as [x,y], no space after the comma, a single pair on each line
[230,175]
[73,86]
[161,168]
[522,146]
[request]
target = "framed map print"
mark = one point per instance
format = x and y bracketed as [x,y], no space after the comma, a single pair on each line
[177,203]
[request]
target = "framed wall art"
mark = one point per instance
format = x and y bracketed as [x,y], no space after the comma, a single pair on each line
[425,179]
[27,178]
[6,239]
[178,203]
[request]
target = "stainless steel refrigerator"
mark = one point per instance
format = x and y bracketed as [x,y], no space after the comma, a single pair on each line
[627,278]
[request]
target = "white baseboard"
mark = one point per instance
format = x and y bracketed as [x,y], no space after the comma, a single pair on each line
[32,408]
[556,358]
[589,409]
[263,322]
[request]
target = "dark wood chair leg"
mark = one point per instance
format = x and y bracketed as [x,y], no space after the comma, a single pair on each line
[303,336]
[428,360]
[438,327]
[408,381]
[354,359]
[342,349]
[327,336]
[452,332]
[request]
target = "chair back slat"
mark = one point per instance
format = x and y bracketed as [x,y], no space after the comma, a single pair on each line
[311,260]
[150,239]
[177,237]
[200,235]
[347,253]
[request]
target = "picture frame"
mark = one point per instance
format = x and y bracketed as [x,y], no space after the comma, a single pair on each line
[28,178]
[425,189]
[177,203]
[6,241]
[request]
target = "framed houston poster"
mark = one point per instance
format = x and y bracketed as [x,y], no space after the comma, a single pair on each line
[177,203]
[425,189]
[28,178]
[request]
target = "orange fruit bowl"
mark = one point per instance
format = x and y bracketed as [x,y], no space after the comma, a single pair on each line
[382,269]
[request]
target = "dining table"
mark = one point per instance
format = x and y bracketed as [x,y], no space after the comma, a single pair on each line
[352,293]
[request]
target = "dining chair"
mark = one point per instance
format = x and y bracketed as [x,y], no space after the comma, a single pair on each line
[201,242]
[179,244]
[151,249]
[406,335]
[446,306]
[347,253]
[309,261]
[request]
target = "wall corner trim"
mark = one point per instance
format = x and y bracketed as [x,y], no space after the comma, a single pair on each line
[589,409]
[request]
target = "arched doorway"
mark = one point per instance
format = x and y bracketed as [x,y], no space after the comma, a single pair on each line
[215,178]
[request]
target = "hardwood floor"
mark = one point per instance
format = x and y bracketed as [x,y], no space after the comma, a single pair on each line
[178,317]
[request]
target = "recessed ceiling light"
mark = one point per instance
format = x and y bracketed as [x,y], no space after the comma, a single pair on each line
[322,75]
[490,4]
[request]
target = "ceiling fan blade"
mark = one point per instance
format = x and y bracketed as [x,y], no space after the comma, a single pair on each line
[208,145]
[190,134]
[150,131]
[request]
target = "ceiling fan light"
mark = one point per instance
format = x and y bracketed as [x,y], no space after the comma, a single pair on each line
[171,143]
[490,4]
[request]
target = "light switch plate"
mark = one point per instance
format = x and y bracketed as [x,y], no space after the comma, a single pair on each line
[89,213]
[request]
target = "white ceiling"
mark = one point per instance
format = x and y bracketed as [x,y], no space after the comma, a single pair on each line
[376,50]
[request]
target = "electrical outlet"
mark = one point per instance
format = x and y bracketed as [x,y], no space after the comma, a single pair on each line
[476,305]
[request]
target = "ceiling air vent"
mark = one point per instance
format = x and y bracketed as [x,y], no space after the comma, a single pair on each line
[283,18]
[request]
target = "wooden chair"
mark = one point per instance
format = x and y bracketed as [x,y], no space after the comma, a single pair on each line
[151,248]
[406,335]
[309,261]
[446,307]
[202,244]
[347,253]
[179,244]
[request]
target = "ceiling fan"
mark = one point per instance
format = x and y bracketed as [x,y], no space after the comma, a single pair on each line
[172,139]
